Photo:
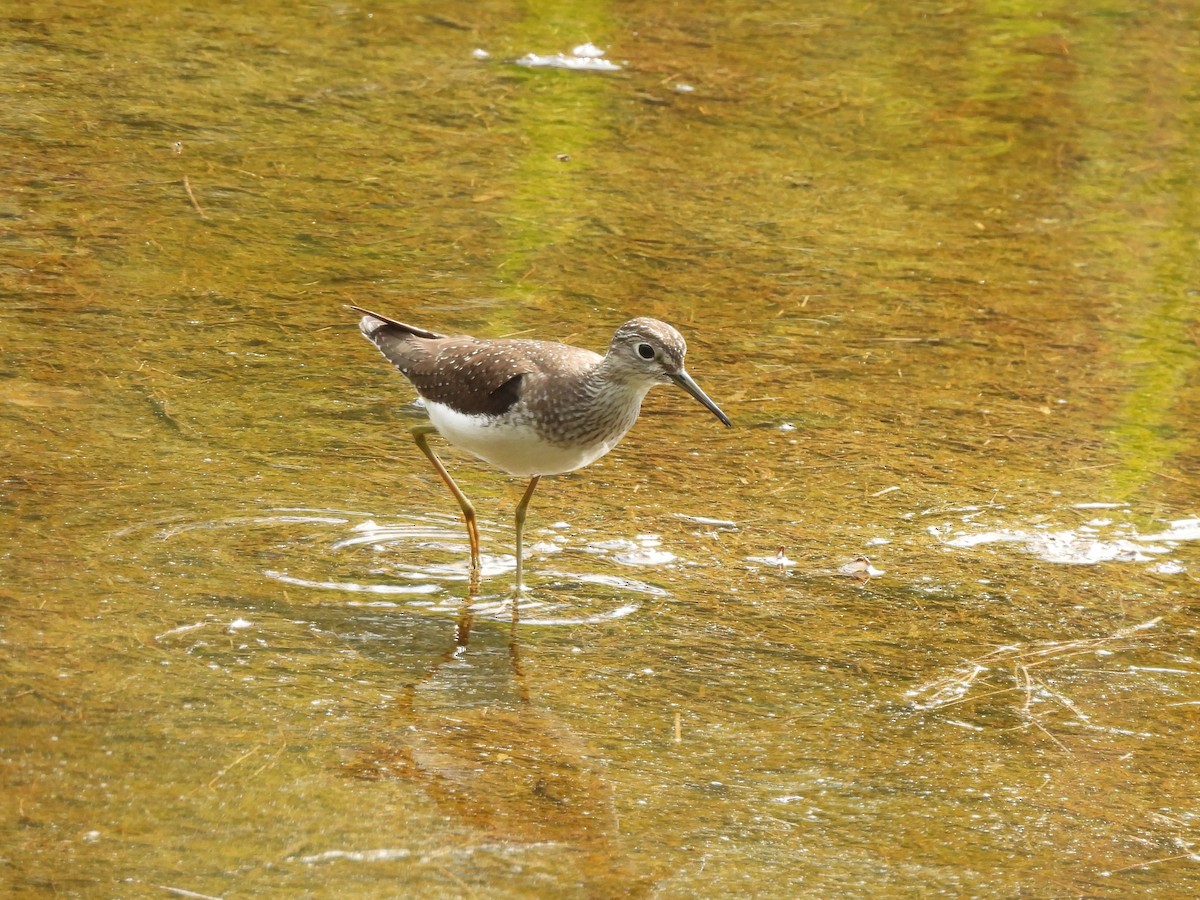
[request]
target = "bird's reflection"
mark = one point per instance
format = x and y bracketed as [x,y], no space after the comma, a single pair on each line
[469,734]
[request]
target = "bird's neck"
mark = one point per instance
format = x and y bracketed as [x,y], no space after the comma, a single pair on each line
[612,400]
[614,383]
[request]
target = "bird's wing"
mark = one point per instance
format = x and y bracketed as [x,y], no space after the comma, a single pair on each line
[473,376]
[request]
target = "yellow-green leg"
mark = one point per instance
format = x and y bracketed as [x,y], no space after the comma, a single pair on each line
[420,435]
[522,508]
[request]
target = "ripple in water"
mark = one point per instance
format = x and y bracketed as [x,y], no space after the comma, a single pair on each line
[420,562]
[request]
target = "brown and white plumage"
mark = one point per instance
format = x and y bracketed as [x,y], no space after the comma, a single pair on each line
[530,408]
[534,407]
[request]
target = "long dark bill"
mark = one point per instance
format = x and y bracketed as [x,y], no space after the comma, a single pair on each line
[684,380]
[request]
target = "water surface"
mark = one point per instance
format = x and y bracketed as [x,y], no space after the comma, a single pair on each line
[938,263]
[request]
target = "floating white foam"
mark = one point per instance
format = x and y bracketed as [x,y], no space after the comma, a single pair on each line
[584,58]
[1097,541]
[1179,530]
[780,559]
[588,50]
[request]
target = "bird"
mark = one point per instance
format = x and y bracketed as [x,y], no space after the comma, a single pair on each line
[530,408]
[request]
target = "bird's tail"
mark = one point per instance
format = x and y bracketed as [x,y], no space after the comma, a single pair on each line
[369,328]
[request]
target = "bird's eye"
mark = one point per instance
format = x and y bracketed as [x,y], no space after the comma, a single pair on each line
[645,351]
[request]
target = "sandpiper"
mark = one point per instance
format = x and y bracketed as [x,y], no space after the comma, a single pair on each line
[530,408]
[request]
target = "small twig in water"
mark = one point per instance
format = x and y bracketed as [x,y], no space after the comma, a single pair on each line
[237,761]
[1042,728]
[187,186]
[1152,862]
[184,892]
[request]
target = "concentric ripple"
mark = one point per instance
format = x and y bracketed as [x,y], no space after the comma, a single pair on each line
[423,563]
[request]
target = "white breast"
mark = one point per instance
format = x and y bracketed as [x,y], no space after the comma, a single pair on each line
[517,449]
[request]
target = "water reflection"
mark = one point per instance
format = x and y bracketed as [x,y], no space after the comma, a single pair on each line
[470,734]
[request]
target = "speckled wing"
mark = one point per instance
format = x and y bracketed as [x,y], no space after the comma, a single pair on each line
[472,376]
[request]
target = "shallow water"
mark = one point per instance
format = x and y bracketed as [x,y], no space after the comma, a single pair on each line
[938,264]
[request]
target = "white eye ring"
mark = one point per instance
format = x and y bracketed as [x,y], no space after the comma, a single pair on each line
[645,351]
